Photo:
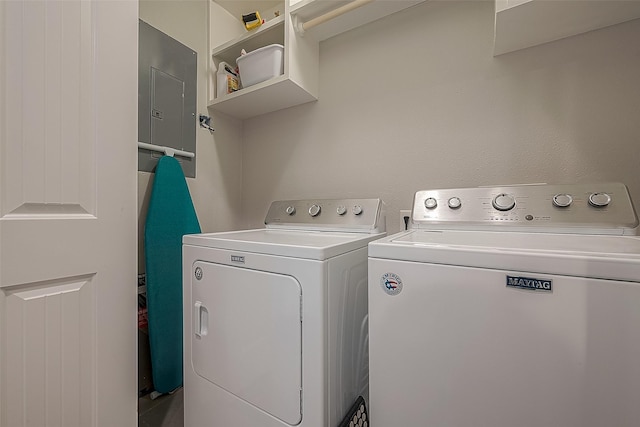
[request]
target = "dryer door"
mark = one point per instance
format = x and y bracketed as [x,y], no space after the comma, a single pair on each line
[248,336]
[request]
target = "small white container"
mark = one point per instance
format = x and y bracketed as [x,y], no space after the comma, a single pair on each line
[261,64]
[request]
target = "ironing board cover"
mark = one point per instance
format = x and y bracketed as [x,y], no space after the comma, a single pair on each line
[170,216]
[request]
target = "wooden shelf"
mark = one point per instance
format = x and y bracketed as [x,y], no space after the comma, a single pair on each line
[296,86]
[271,95]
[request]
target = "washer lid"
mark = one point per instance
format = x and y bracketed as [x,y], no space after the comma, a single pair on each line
[607,257]
[318,245]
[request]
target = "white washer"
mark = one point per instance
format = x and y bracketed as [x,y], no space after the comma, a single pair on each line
[508,307]
[275,319]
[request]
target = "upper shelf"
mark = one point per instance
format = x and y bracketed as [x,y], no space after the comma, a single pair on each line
[308,9]
[525,23]
[271,32]
[238,8]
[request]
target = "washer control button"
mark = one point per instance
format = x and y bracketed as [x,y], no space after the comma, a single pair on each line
[599,200]
[504,202]
[314,210]
[290,210]
[562,200]
[341,210]
[455,202]
[430,203]
[357,210]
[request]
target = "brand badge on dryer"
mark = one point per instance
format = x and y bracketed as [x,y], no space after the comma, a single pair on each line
[237,258]
[391,283]
[530,283]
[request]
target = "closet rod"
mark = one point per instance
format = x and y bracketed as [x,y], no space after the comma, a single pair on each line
[302,27]
[166,150]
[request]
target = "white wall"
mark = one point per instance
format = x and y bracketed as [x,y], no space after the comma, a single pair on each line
[417,101]
[216,189]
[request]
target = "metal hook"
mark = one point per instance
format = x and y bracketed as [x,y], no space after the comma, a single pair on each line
[205,122]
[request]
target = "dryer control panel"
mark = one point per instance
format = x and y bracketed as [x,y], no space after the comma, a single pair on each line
[572,208]
[349,215]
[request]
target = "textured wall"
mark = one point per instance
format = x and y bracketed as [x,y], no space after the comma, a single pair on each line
[417,101]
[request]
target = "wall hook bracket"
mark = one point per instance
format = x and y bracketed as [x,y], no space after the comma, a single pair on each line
[205,122]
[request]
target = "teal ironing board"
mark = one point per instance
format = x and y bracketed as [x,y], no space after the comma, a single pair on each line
[170,216]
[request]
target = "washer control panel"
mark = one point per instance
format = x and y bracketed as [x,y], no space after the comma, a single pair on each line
[574,208]
[328,214]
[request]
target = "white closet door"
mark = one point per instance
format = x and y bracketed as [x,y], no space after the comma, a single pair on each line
[68,97]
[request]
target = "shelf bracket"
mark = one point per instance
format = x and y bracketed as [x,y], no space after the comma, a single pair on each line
[298,25]
[205,122]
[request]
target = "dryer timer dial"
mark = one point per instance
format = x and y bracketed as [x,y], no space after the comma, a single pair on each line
[454,202]
[314,210]
[430,203]
[599,200]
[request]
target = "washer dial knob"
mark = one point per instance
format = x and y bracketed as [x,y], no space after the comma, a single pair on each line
[599,200]
[430,203]
[455,202]
[290,210]
[341,210]
[314,210]
[504,202]
[562,200]
[357,210]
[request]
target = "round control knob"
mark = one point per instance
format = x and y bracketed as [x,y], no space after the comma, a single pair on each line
[599,200]
[504,202]
[314,210]
[341,210]
[290,210]
[430,203]
[455,202]
[562,200]
[357,210]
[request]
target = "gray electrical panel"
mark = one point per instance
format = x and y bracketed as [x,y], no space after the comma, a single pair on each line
[167,87]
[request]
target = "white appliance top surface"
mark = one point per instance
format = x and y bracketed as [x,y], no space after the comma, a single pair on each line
[561,243]
[609,257]
[317,245]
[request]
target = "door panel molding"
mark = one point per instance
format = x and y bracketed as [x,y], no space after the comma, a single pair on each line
[49,336]
[49,153]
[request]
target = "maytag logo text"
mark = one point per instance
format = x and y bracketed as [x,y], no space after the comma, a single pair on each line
[529,283]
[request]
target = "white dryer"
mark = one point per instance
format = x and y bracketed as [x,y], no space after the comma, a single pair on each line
[275,319]
[508,307]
